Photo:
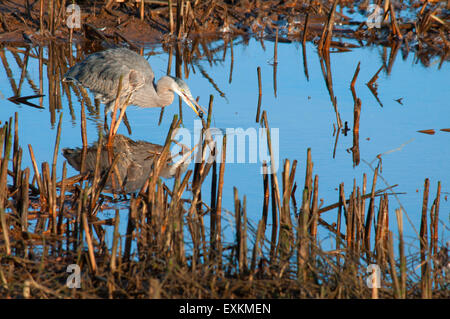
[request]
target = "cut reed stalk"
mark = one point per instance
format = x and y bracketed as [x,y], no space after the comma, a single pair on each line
[424,258]
[41,16]
[305,29]
[371,212]
[7,145]
[266,196]
[401,249]
[53,212]
[24,198]
[314,209]
[112,264]
[113,120]
[90,246]
[435,221]
[142,8]
[395,29]
[170,17]
[395,281]
[5,231]
[275,64]
[62,197]
[258,71]
[51,11]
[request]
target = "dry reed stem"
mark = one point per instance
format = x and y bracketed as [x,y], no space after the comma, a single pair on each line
[87,234]
[272,161]
[24,198]
[424,258]
[113,120]
[401,249]
[5,231]
[112,264]
[258,71]
[395,28]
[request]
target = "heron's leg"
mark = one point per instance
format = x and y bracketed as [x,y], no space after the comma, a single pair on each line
[105,123]
[127,124]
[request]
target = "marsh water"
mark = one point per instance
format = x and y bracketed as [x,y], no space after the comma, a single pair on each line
[411,97]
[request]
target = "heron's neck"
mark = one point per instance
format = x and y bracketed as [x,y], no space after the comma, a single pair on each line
[165,94]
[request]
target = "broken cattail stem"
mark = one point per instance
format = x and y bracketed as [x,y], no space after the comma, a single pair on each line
[83,127]
[210,110]
[401,249]
[305,29]
[395,28]
[170,17]
[180,5]
[51,21]
[53,189]
[314,209]
[232,61]
[37,175]
[115,241]
[258,70]
[90,246]
[275,64]
[5,230]
[116,105]
[24,198]
[7,145]
[435,224]
[41,16]
[355,76]
[213,218]
[424,259]
[142,7]
[244,234]
[371,211]
[330,26]
[266,196]
[272,161]
[257,247]
[62,197]
[395,281]
[219,200]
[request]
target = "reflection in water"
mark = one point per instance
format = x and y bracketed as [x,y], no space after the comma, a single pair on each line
[373,87]
[356,116]
[134,162]
[58,57]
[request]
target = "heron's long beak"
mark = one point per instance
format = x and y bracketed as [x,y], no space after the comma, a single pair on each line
[193,104]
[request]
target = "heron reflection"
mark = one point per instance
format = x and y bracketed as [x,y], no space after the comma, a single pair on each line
[134,164]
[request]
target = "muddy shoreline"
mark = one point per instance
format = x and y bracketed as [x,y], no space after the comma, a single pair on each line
[418,26]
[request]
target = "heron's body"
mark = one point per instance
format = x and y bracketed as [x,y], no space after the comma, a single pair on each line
[133,166]
[101,73]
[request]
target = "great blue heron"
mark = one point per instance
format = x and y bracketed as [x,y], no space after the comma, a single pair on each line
[133,166]
[101,73]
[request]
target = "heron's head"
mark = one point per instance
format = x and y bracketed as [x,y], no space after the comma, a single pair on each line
[180,87]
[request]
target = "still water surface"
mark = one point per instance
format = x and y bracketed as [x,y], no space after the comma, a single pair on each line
[301,110]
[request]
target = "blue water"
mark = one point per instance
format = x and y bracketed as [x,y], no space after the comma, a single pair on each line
[302,112]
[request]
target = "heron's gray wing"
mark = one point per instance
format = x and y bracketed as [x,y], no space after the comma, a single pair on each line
[101,72]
